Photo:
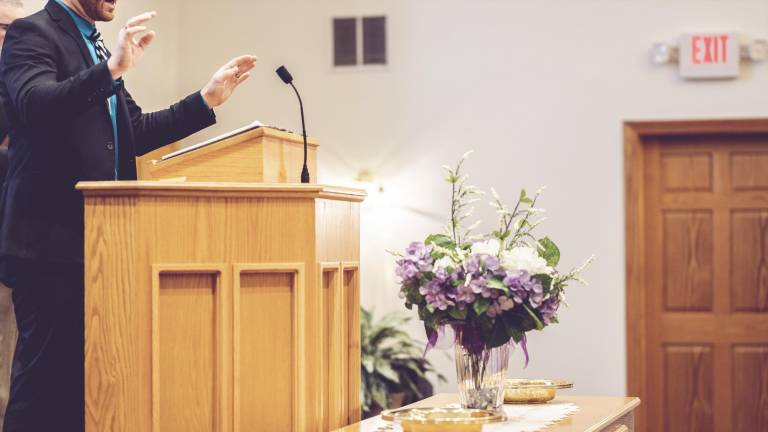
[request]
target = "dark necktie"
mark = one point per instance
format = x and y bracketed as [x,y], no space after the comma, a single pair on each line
[102,54]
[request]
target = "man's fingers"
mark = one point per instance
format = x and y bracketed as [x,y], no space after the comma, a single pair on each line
[242,60]
[228,74]
[130,31]
[140,19]
[242,78]
[145,40]
[235,61]
[246,67]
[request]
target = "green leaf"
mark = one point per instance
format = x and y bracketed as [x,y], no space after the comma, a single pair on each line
[459,314]
[551,252]
[379,394]
[546,282]
[481,305]
[368,364]
[496,283]
[539,324]
[387,372]
[524,198]
[512,324]
[423,312]
[498,335]
[433,320]
[441,240]
[413,296]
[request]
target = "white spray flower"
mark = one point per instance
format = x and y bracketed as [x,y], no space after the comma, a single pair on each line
[524,258]
[488,247]
[444,263]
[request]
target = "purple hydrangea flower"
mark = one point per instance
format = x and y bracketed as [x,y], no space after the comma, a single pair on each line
[522,286]
[480,268]
[549,309]
[438,292]
[417,260]
[501,305]
[463,293]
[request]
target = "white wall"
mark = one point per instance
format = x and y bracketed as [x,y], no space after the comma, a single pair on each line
[539,90]
[155,84]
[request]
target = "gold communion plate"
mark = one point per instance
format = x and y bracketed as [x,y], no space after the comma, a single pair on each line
[442,419]
[532,390]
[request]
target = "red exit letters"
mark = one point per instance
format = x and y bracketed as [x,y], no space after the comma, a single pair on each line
[709,49]
[712,55]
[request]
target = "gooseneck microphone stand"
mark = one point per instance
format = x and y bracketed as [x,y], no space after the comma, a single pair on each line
[287,78]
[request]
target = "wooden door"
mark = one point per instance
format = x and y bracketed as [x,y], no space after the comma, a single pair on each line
[697,267]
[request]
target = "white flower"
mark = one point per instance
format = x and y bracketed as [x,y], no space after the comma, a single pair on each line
[488,247]
[524,258]
[461,254]
[444,263]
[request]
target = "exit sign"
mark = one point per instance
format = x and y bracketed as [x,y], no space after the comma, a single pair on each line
[709,55]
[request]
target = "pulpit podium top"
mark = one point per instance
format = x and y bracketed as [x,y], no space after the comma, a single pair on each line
[220,189]
[260,155]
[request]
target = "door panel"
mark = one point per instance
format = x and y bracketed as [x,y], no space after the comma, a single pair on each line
[749,258]
[750,388]
[688,259]
[688,388]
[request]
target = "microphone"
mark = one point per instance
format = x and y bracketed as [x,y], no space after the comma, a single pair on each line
[287,78]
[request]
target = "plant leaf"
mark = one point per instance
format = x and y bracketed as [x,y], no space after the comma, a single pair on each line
[524,198]
[387,372]
[539,324]
[496,283]
[441,240]
[459,314]
[551,252]
[498,336]
[481,305]
[368,364]
[546,282]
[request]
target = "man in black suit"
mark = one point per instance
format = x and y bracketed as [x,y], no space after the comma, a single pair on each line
[71,119]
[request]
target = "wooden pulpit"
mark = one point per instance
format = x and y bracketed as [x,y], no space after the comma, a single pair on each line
[259,154]
[221,306]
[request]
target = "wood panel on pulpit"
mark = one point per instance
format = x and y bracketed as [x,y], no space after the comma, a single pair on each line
[221,307]
[341,350]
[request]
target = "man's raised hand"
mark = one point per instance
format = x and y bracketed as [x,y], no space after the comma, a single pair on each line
[226,79]
[130,46]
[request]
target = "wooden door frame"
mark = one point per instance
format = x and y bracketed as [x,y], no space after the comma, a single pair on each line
[635,134]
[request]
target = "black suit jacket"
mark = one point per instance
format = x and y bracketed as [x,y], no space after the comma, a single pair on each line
[61,133]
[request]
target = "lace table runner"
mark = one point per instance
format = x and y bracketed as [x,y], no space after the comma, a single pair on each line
[520,418]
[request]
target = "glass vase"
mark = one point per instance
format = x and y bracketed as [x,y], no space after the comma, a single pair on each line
[481,373]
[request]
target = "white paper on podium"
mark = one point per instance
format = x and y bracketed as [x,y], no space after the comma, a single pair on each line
[255,125]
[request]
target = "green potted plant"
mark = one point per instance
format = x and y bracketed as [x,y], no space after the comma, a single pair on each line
[394,369]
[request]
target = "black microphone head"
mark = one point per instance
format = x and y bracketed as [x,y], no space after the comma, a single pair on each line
[284,75]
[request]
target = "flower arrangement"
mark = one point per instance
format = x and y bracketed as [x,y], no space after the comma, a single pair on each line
[489,288]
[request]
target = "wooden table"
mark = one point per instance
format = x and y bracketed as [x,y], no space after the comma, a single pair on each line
[596,413]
